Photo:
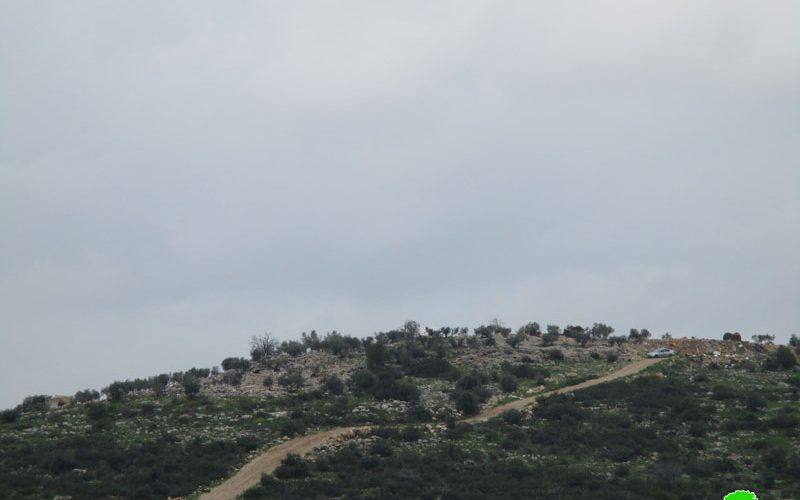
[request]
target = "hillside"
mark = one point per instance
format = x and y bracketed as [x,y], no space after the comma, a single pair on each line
[719,415]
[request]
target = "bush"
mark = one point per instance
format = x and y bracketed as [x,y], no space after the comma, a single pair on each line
[292,380]
[191,386]
[333,384]
[532,329]
[9,416]
[468,382]
[411,434]
[98,415]
[526,370]
[195,372]
[784,420]
[362,382]
[515,340]
[467,402]
[558,410]
[594,355]
[235,364]
[612,357]
[721,392]
[785,358]
[430,368]
[34,403]
[233,377]
[617,340]
[268,381]
[419,413]
[755,401]
[338,344]
[381,447]
[555,355]
[513,417]
[377,355]
[508,383]
[293,348]
[550,337]
[389,387]
[86,396]
[293,467]
[293,427]
[407,391]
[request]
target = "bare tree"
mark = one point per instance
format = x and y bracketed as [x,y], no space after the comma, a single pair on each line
[263,347]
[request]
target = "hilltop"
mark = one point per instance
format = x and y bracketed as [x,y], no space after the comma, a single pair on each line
[718,409]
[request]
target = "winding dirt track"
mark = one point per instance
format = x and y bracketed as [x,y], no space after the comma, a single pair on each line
[249,475]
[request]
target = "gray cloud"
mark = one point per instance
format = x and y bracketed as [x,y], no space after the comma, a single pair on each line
[177,177]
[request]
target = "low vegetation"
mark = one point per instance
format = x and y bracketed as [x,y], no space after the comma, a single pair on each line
[170,434]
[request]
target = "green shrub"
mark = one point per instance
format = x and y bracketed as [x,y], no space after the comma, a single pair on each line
[557,408]
[292,380]
[555,355]
[508,383]
[377,355]
[468,382]
[411,434]
[407,391]
[755,401]
[381,447]
[617,340]
[232,377]
[525,370]
[34,403]
[191,386]
[551,337]
[362,382]
[293,427]
[389,387]
[293,348]
[333,384]
[721,392]
[785,358]
[86,396]
[293,467]
[612,357]
[433,367]
[513,417]
[467,402]
[235,364]
[9,416]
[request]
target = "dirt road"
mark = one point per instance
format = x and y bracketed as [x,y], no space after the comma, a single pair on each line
[625,371]
[249,475]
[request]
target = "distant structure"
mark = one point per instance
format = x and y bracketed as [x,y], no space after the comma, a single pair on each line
[54,402]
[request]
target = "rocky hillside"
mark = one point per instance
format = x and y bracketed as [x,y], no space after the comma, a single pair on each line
[173,434]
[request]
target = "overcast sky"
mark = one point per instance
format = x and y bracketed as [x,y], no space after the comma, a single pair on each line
[176,177]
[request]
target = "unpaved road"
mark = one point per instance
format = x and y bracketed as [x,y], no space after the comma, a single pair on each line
[625,371]
[249,475]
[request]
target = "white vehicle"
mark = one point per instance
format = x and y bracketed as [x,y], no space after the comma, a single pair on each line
[661,353]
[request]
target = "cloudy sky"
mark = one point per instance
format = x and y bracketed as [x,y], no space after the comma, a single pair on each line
[178,176]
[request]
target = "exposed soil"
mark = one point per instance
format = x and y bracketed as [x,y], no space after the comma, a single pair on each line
[250,475]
